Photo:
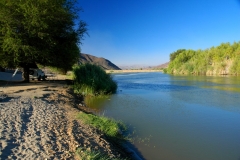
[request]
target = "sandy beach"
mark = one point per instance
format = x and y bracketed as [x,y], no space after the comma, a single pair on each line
[37,122]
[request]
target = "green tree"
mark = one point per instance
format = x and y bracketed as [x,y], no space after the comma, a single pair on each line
[47,32]
[175,54]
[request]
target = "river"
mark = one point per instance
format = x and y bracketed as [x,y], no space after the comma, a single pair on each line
[177,117]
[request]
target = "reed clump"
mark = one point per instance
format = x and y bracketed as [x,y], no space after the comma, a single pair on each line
[92,80]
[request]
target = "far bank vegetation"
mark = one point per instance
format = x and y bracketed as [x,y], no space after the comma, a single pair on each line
[221,60]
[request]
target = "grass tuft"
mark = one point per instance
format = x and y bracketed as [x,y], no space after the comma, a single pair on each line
[112,129]
[109,127]
[84,154]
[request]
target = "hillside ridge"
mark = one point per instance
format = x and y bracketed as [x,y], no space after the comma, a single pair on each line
[99,61]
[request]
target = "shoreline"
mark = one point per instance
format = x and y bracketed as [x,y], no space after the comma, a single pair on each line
[54,105]
[132,71]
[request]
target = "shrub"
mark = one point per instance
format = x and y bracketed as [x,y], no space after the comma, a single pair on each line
[92,80]
[165,70]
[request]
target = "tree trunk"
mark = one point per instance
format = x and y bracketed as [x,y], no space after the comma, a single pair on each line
[26,74]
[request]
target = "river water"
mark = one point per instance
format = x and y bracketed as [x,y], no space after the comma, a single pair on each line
[177,117]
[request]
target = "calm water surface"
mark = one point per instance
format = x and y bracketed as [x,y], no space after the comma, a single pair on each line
[178,117]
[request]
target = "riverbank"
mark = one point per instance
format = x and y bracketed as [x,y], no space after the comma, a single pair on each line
[38,121]
[132,71]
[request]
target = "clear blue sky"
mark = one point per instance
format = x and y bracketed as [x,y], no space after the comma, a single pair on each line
[130,32]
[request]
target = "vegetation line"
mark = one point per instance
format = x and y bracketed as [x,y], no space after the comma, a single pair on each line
[221,60]
[91,80]
[85,154]
[111,128]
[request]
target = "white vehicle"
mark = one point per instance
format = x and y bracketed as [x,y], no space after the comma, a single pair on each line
[35,73]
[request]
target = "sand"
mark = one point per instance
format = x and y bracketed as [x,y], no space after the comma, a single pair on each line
[37,121]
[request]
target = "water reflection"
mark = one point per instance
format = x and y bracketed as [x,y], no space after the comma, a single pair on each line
[96,103]
[227,83]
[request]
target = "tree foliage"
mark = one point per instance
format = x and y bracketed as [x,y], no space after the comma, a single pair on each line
[175,54]
[47,32]
[223,59]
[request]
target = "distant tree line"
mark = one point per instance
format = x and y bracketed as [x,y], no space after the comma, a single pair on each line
[223,59]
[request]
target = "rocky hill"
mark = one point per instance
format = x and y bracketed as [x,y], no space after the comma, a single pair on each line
[102,62]
[165,65]
[126,67]
[145,67]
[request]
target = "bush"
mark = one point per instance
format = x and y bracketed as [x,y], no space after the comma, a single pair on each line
[92,80]
[165,70]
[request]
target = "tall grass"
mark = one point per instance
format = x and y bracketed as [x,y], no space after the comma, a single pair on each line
[111,128]
[92,80]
